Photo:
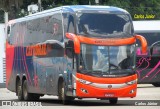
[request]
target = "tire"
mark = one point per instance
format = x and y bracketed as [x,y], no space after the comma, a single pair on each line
[35,97]
[19,91]
[113,100]
[156,84]
[27,96]
[62,94]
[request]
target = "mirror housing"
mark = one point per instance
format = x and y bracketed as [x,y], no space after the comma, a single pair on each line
[143,43]
[75,41]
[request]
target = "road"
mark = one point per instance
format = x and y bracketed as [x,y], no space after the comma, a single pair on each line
[146,93]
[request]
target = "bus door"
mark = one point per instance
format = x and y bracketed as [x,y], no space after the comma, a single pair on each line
[69,51]
[70,64]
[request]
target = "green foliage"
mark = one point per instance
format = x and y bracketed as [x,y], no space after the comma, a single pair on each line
[138,7]
[135,7]
[1,16]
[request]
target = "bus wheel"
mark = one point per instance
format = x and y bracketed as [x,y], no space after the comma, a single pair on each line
[156,84]
[27,96]
[113,100]
[36,97]
[62,96]
[19,90]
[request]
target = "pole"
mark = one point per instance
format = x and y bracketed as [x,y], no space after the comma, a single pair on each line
[40,5]
[6,21]
[97,2]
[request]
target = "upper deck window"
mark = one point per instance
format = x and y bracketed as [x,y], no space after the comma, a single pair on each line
[105,25]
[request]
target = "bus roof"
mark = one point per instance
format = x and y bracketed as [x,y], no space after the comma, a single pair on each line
[73,9]
[76,8]
[146,26]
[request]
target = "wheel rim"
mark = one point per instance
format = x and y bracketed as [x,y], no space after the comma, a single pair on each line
[62,93]
[18,89]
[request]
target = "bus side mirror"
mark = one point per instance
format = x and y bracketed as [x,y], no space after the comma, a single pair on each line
[143,43]
[76,42]
[69,49]
[69,52]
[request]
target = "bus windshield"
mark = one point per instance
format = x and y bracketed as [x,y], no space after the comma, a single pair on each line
[104,25]
[107,60]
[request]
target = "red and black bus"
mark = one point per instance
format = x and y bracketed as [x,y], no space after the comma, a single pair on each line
[73,52]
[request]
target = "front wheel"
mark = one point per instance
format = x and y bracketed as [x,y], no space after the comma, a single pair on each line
[113,100]
[156,84]
[62,95]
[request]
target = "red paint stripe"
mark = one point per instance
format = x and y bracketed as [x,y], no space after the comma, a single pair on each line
[9,61]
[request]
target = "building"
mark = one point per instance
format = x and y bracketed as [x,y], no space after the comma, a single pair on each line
[2,56]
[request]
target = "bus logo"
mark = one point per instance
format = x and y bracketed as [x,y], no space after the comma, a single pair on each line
[109,86]
[105,41]
[36,50]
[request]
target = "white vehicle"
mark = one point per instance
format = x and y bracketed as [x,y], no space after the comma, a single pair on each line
[148,66]
[2,56]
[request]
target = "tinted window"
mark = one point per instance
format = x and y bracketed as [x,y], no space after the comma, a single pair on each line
[46,28]
[105,25]
[68,23]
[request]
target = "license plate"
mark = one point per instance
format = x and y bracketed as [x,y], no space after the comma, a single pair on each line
[109,95]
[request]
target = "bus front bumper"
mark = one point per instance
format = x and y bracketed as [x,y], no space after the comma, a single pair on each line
[87,89]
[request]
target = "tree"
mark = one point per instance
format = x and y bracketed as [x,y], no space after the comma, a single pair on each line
[14,7]
[1,16]
[11,6]
[145,7]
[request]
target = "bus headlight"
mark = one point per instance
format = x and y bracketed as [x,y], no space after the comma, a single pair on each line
[84,81]
[131,82]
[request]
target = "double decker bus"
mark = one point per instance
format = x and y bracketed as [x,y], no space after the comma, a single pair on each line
[73,52]
[148,66]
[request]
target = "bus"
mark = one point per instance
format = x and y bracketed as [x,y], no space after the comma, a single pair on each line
[148,66]
[73,52]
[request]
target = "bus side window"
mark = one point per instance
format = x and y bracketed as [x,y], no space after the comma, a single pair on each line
[70,28]
[9,34]
[69,49]
[70,53]
[8,30]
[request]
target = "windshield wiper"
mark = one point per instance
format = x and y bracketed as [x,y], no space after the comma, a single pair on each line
[92,71]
